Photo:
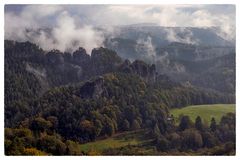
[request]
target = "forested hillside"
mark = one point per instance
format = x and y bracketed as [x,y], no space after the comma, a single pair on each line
[55,100]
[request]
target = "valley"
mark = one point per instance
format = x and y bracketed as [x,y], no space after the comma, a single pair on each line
[90,80]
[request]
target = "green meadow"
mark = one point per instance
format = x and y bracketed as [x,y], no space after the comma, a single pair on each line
[116,141]
[206,112]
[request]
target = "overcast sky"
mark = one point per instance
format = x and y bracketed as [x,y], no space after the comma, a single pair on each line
[76,19]
[164,15]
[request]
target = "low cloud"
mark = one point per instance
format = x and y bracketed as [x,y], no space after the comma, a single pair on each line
[64,34]
[182,35]
[72,25]
[146,47]
[176,16]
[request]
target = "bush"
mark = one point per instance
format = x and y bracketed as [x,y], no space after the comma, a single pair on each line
[192,139]
[52,144]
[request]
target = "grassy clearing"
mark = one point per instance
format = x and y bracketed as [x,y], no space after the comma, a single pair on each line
[118,140]
[206,112]
[140,137]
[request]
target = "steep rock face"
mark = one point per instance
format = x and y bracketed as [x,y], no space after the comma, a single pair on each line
[104,60]
[55,57]
[98,87]
[93,89]
[64,68]
[77,70]
[147,72]
[125,67]
[60,69]
[80,57]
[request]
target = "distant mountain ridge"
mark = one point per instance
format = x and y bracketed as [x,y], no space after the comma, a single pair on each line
[147,42]
[177,51]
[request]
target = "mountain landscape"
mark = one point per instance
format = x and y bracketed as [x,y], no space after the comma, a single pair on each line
[187,52]
[146,90]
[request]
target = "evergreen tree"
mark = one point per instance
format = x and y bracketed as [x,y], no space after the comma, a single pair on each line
[198,123]
[213,125]
[184,123]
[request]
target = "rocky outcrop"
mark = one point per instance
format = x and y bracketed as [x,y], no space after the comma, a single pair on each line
[64,68]
[104,60]
[93,89]
[125,67]
[80,57]
[54,57]
[147,72]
